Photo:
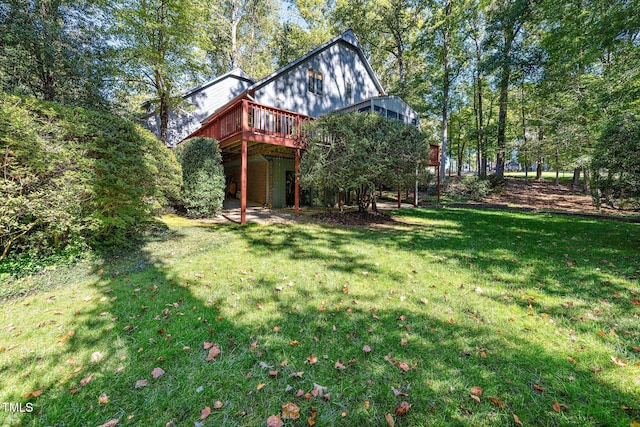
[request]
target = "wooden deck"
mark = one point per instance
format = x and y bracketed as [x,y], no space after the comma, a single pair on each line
[246,120]
[246,125]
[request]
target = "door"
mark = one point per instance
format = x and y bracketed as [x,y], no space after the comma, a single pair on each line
[290,188]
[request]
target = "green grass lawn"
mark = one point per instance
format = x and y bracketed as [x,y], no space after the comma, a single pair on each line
[546,175]
[540,312]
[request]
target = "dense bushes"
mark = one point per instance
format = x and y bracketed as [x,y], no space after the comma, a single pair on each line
[73,178]
[359,152]
[616,164]
[202,176]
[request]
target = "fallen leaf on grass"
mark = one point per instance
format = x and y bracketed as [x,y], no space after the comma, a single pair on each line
[571,359]
[390,421]
[404,342]
[312,419]
[217,404]
[296,374]
[339,365]
[366,349]
[496,402]
[402,408]
[214,351]
[474,397]
[559,407]
[33,394]
[157,372]
[293,342]
[260,386]
[477,391]
[466,411]
[141,383]
[111,423]
[636,348]
[274,421]
[539,388]
[68,335]
[517,420]
[290,411]
[86,380]
[312,359]
[398,393]
[205,413]
[103,399]
[318,390]
[96,357]
[403,366]
[618,362]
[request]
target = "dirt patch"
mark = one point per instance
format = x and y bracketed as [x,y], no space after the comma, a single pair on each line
[545,196]
[353,218]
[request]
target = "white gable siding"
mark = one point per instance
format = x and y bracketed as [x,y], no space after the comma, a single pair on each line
[339,64]
[203,103]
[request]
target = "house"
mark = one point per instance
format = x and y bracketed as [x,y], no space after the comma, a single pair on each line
[258,123]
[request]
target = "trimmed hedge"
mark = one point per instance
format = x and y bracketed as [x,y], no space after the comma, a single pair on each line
[75,178]
[202,176]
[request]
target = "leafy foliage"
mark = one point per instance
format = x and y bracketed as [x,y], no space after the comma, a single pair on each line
[358,152]
[74,177]
[616,163]
[53,50]
[202,175]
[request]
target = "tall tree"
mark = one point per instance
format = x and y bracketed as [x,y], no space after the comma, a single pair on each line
[53,50]
[506,20]
[160,48]
[240,33]
[441,41]
[388,30]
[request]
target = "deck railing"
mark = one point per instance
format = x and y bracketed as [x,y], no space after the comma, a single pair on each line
[245,115]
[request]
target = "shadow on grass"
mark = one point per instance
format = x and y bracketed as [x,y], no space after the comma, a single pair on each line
[147,313]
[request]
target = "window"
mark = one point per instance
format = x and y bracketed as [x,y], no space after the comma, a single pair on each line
[311,82]
[319,84]
[314,82]
[380,110]
[363,109]
[392,114]
[349,93]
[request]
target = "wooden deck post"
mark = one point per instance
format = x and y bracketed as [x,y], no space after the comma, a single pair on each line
[243,183]
[243,165]
[296,207]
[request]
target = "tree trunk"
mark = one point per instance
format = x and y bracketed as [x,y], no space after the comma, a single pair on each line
[586,185]
[539,170]
[502,120]
[445,87]
[235,22]
[164,120]
[575,182]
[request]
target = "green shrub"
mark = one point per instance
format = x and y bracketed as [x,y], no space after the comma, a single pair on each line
[202,176]
[74,178]
[615,164]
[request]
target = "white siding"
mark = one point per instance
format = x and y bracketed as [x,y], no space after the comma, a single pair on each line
[339,64]
[203,103]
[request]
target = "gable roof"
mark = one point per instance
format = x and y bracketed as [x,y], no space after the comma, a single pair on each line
[348,37]
[236,73]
